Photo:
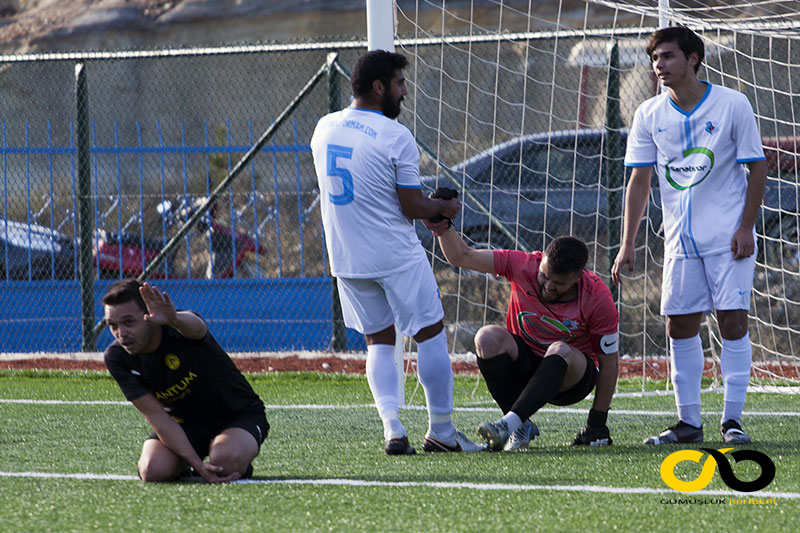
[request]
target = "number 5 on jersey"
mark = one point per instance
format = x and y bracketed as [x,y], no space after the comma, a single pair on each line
[344,152]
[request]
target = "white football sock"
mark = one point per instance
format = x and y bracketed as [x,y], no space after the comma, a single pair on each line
[735,361]
[687,370]
[382,379]
[512,420]
[436,376]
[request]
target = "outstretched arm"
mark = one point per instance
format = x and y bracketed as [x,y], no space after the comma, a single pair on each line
[415,205]
[459,254]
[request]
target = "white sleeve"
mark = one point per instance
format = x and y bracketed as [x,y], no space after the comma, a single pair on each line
[641,149]
[745,131]
[405,157]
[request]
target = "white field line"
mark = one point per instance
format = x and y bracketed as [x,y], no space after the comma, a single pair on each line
[438,485]
[322,407]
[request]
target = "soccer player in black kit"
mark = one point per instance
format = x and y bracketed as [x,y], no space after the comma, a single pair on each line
[172,370]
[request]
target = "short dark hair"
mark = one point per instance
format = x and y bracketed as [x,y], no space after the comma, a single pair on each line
[686,39]
[124,291]
[375,65]
[566,255]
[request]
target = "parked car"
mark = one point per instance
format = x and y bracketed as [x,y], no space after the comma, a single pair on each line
[547,184]
[34,252]
[536,186]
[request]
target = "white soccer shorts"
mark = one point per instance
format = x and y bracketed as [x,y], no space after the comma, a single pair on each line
[702,284]
[408,299]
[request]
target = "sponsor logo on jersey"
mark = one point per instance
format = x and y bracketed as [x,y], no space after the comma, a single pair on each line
[546,327]
[710,127]
[177,391]
[172,361]
[691,171]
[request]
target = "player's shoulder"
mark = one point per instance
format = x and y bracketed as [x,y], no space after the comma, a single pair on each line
[519,257]
[115,357]
[720,91]
[113,351]
[594,286]
[654,104]
[513,263]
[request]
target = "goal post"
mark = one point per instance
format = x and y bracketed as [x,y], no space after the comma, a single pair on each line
[380,36]
[514,95]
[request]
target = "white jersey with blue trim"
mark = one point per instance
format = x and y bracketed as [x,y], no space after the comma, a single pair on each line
[699,157]
[361,158]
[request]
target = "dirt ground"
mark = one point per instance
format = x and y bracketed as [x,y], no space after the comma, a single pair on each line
[656,369]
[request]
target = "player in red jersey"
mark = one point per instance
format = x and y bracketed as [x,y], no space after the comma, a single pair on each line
[560,339]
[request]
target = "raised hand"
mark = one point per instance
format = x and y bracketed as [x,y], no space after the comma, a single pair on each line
[160,309]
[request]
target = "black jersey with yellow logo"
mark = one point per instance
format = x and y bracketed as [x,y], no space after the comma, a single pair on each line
[195,380]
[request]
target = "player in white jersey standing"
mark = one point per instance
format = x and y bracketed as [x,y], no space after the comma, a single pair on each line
[367,167]
[698,137]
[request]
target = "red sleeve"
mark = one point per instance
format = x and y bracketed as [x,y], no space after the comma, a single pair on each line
[509,263]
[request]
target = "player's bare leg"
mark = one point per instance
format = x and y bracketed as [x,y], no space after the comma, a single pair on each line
[159,463]
[233,449]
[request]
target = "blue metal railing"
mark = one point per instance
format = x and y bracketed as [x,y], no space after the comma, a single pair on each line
[171,164]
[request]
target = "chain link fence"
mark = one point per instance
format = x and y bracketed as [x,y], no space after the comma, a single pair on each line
[530,128]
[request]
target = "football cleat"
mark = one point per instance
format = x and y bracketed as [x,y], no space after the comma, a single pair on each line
[524,434]
[399,446]
[495,434]
[732,433]
[678,434]
[458,443]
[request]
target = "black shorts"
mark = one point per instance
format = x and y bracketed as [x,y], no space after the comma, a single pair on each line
[200,434]
[528,362]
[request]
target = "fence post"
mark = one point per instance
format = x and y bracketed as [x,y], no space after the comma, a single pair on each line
[612,155]
[85,222]
[339,336]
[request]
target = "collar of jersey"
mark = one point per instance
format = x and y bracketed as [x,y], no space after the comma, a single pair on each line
[366,110]
[703,99]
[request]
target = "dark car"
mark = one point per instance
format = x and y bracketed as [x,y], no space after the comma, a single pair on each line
[537,187]
[543,185]
[34,252]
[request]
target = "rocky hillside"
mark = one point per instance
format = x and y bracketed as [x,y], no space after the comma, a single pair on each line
[70,25]
[49,25]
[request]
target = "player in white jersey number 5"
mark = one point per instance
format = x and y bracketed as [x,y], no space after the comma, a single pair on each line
[367,167]
[698,137]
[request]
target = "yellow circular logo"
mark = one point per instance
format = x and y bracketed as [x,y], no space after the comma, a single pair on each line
[172,361]
[671,461]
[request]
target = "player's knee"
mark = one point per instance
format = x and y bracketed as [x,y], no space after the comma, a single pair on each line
[566,352]
[733,329]
[153,471]
[560,349]
[491,341]
[229,461]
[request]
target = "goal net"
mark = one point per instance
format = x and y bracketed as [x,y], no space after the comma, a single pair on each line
[524,106]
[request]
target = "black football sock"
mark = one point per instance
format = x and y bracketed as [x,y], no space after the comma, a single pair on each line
[500,374]
[542,387]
